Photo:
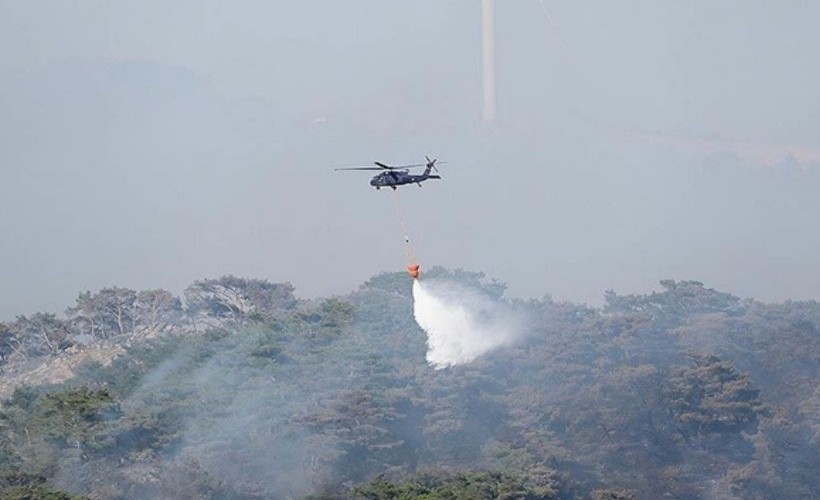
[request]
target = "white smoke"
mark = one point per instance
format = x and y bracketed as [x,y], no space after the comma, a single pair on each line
[461,323]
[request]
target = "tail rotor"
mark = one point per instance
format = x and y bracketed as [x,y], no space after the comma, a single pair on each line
[432,163]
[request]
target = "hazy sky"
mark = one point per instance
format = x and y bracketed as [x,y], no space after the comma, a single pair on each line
[147,144]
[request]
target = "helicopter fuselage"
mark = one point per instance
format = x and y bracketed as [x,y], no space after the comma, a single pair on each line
[395,178]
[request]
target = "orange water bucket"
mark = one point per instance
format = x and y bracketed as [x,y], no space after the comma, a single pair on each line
[413,271]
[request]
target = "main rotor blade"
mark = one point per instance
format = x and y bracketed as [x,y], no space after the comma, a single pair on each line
[358,168]
[398,167]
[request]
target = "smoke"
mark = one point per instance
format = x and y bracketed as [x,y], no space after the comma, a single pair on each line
[237,423]
[461,323]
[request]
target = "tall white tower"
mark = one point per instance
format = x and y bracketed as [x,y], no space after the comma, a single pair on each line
[488,58]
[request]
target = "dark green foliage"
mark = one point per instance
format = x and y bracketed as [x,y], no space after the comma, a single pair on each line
[74,417]
[390,283]
[36,493]
[454,486]
[15,479]
[268,350]
[23,397]
[679,300]
[711,397]
[613,494]
[335,313]
[683,393]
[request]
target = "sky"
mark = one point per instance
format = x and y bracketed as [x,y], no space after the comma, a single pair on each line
[150,144]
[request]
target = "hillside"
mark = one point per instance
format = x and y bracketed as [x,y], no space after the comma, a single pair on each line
[240,389]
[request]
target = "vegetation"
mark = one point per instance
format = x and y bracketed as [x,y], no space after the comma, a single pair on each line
[439,485]
[244,391]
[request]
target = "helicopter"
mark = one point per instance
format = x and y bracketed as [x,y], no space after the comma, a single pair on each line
[393,177]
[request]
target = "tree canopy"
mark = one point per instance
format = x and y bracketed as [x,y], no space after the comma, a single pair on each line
[239,389]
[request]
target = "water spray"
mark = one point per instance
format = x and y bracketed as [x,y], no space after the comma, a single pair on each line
[461,323]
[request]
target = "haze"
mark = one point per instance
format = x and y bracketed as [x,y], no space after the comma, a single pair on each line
[148,144]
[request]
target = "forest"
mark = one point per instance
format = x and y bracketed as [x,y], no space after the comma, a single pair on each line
[239,389]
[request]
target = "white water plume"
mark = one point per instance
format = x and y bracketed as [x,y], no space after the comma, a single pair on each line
[461,323]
